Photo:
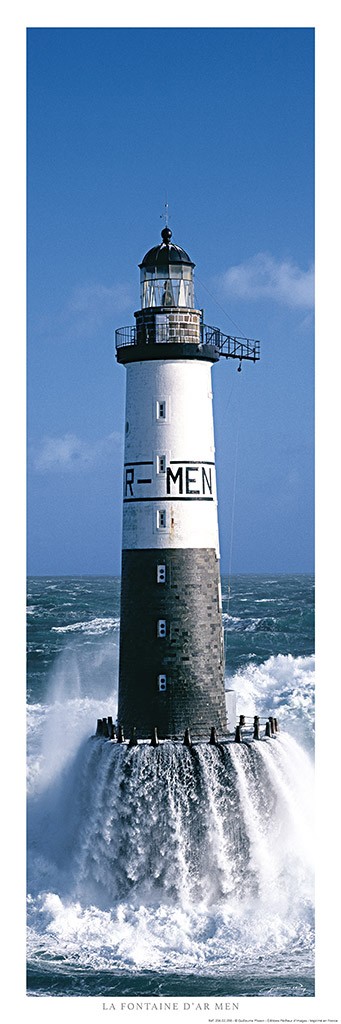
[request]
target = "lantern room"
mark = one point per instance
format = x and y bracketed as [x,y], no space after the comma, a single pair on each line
[167,275]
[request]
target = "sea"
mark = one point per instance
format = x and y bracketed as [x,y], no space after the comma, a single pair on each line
[168,871]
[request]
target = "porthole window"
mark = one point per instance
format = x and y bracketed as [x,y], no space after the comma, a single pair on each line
[162,683]
[161,574]
[161,628]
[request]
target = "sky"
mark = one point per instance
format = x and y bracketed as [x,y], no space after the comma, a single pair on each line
[218,122]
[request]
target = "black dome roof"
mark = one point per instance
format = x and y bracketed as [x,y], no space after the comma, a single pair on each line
[161,256]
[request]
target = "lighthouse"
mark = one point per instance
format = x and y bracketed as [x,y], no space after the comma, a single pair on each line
[171,668]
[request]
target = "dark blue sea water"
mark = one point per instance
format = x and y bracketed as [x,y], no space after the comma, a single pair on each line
[161,872]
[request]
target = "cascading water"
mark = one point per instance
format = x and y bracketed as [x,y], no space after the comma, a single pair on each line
[168,869]
[198,858]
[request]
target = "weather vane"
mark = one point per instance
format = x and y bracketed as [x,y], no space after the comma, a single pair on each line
[164,216]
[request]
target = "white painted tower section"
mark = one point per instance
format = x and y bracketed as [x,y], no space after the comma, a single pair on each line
[169,486]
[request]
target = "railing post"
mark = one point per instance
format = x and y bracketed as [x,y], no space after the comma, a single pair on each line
[133,738]
[112,730]
[187,738]
[154,740]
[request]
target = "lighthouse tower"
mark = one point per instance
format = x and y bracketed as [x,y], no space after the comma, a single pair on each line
[171,674]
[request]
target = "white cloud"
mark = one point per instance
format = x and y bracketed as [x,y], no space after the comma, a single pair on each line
[91,305]
[263,276]
[98,298]
[69,452]
[88,308]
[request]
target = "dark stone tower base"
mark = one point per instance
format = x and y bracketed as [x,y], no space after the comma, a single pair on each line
[171,644]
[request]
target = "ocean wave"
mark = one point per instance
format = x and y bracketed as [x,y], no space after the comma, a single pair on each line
[164,938]
[281,685]
[254,624]
[55,732]
[83,687]
[230,619]
[92,627]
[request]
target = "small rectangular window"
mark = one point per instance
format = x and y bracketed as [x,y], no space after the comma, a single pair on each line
[161,519]
[160,463]
[161,574]
[162,683]
[161,627]
[161,410]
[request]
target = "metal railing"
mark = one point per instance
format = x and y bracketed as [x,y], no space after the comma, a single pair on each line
[238,348]
[166,333]
[125,336]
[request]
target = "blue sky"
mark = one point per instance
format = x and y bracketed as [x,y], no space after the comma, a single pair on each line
[221,122]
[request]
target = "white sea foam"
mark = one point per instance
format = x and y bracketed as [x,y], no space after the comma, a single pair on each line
[92,627]
[226,617]
[166,938]
[283,686]
[234,623]
[158,860]
[174,863]
[82,687]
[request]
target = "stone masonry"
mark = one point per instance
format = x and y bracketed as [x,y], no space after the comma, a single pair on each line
[190,655]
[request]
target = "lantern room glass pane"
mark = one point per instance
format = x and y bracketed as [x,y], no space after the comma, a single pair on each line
[174,289]
[175,270]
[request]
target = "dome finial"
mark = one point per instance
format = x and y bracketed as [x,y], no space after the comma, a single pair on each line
[166,235]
